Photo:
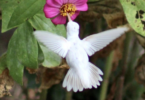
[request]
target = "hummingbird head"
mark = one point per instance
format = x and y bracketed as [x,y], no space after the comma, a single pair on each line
[72,28]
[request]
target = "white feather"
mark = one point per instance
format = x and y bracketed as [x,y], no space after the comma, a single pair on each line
[56,43]
[86,78]
[96,42]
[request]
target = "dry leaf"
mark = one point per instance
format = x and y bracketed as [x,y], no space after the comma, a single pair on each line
[141,40]
[112,91]
[115,19]
[98,8]
[6,83]
[31,71]
[140,70]
[50,76]
[118,51]
[143,96]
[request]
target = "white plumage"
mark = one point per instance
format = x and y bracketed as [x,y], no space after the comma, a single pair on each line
[82,74]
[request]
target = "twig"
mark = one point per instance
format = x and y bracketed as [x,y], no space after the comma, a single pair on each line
[43,95]
[108,68]
[123,66]
[134,55]
[69,95]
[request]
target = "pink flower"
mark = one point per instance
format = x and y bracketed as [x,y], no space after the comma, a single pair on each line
[58,9]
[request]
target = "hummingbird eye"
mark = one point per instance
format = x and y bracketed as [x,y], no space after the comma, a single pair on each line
[75,28]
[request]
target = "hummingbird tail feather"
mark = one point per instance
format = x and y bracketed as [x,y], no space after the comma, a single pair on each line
[72,81]
[83,79]
[95,75]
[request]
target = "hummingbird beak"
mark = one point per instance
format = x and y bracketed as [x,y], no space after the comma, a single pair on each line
[69,19]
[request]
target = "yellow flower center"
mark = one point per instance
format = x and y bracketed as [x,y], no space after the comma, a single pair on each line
[67,8]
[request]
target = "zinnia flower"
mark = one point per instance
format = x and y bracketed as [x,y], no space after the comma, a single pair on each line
[58,9]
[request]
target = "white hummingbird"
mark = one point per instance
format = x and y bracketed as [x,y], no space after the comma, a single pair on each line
[82,74]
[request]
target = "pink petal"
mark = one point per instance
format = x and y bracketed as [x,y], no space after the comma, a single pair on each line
[75,15]
[50,11]
[52,3]
[59,20]
[73,1]
[78,2]
[83,7]
[61,2]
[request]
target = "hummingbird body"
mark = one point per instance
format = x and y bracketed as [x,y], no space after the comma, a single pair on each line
[82,74]
[77,59]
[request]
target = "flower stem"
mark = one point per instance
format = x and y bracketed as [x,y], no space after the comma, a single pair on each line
[69,95]
[108,68]
[43,95]
[123,66]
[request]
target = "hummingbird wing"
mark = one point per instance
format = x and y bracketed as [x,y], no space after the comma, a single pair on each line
[56,43]
[96,42]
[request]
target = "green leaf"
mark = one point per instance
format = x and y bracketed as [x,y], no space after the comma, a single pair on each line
[51,58]
[140,4]
[3,64]
[15,68]
[27,45]
[40,55]
[40,22]
[7,6]
[22,51]
[25,10]
[61,30]
[136,19]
